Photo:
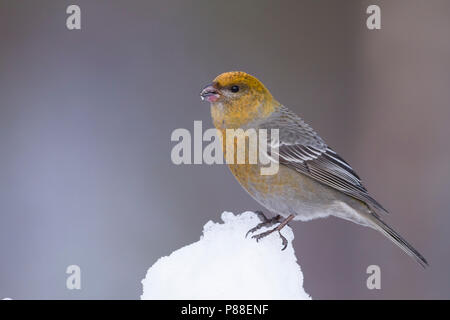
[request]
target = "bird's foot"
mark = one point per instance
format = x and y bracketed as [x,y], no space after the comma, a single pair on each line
[277,228]
[266,222]
[266,233]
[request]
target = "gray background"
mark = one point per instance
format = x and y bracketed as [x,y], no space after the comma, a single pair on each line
[86,117]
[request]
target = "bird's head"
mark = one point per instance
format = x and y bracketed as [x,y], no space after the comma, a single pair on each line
[237,98]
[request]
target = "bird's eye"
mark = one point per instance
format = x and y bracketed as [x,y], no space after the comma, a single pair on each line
[234,89]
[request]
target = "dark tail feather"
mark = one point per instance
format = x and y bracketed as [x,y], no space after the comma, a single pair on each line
[398,240]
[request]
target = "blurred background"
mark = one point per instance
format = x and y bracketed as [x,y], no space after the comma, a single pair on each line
[86,117]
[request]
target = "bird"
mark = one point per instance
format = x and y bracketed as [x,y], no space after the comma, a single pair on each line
[312,180]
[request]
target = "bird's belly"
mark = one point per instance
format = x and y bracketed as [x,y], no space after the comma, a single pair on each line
[287,192]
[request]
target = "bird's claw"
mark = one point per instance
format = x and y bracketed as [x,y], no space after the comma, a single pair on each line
[284,241]
[258,237]
[252,230]
[266,222]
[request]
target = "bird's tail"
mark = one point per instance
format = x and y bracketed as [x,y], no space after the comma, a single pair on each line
[390,233]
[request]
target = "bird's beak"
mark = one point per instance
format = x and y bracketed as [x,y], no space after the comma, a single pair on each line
[210,94]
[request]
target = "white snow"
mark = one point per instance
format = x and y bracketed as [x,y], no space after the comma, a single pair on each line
[224,264]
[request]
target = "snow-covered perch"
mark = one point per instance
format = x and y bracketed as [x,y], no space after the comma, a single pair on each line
[224,264]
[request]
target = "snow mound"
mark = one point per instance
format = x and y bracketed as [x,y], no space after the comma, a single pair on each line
[224,264]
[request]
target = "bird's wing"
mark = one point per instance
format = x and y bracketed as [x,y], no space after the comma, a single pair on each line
[303,150]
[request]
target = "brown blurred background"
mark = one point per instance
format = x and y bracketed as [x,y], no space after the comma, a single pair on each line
[86,117]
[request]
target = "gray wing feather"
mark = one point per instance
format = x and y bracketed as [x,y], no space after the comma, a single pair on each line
[303,150]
